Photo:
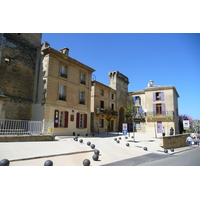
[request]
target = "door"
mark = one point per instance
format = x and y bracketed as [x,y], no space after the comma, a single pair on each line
[159,127]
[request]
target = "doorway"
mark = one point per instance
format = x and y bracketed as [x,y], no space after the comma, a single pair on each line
[159,127]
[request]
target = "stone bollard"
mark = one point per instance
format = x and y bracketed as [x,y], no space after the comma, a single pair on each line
[92,146]
[96,151]
[115,139]
[145,148]
[81,141]
[48,163]
[88,143]
[172,150]
[165,150]
[86,162]
[127,144]
[4,162]
[118,141]
[95,157]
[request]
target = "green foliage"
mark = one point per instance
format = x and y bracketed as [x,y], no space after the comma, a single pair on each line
[130,109]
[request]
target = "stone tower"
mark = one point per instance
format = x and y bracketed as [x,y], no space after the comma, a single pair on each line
[19,56]
[119,82]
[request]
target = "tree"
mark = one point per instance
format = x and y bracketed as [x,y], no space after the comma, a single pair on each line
[184,117]
[130,109]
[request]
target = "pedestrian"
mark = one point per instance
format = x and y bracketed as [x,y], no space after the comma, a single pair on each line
[171,131]
[189,140]
[163,131]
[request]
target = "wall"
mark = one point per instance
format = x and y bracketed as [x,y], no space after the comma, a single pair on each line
[17,72]
[174,141]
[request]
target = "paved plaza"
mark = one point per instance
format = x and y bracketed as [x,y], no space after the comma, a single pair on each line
[65,151]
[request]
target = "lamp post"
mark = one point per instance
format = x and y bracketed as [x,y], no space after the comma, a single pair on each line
[133,126]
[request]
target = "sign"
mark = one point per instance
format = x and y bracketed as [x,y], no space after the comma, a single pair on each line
[186,124]
[124,128]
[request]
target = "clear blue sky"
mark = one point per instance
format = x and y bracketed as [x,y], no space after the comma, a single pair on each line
[168,59]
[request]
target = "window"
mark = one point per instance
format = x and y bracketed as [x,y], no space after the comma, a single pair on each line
[81,120]
[112,106]
[158,96]
[63,71]
[112,96]
[62,93]
[102,93]
[101,125]
[102,104]
[61,119]
[137,100]
[81,97]
[83,79]
[159,109]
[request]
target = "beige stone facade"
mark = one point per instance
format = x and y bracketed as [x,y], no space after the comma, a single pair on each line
[156,107]
[62,92]
[104,114]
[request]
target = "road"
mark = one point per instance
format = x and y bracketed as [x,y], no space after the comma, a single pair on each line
[187,158]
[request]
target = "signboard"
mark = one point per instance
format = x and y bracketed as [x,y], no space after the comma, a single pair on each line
[124,128]
[186,124]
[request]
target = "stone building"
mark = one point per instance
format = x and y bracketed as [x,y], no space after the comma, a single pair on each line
[63,92]
[156,107]
[104,114]
[19,56]
[119,82]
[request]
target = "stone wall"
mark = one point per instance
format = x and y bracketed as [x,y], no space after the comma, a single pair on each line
[17,72]
[27,138]
[174,141]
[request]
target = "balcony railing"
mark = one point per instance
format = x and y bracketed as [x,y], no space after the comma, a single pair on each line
[160,114]
[106,112]
[139,115]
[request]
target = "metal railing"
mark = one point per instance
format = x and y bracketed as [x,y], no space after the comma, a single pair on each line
[23,127]
[160,114]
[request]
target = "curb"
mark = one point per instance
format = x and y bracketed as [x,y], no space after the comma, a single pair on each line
[47,156]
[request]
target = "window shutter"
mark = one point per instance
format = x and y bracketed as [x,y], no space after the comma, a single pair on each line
[56,118]
[162,96]
[77,120]
[134,98]
[163,109]
[85,120]
[154,109]
[66,118]
[154,96]
[140,109]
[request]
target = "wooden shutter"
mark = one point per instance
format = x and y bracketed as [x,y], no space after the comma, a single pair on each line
[77,120]
[85,120]
[162,96]
[134,98]
[140,109]
[163,109]
[154,96]
[56,118]
[66,119]
[154,109]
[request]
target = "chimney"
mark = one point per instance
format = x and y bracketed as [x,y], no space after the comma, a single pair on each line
[150,83]
[45,45]
[65,51]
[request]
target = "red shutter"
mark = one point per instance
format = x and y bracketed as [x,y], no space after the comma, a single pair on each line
[85,120]
[77,120]
[56,118]
[66,118]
